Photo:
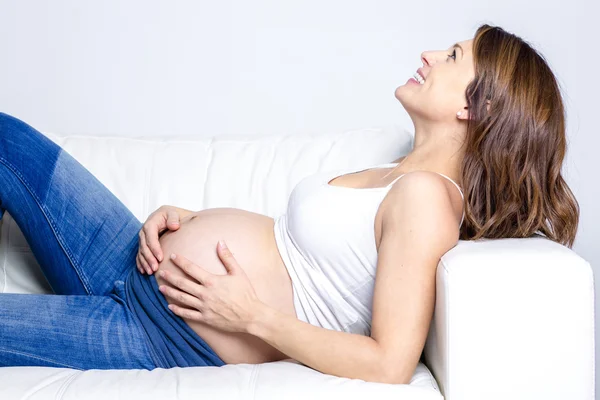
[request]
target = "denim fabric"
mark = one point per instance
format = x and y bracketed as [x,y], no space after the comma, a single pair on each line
[175,343]
[85,241]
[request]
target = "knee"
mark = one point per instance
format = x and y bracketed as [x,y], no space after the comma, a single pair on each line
[12,128]
[5,117]
[15,133]
[8,123]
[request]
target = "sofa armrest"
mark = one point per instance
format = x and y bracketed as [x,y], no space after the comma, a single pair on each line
[514,319]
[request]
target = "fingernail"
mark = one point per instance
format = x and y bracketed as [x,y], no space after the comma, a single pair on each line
[222,244]
[161,288]
[161,273]
[154,267]
[173,256]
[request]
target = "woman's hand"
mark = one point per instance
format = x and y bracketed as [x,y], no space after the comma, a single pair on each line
[227,302]
[149,252]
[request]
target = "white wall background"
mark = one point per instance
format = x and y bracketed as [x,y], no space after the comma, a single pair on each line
[150,67]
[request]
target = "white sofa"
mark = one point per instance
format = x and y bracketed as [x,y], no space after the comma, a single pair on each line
[513,318]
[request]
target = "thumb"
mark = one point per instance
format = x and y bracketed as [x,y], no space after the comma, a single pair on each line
[172,220]
[226,257]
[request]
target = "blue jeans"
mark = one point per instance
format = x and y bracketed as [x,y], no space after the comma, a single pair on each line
[85,241]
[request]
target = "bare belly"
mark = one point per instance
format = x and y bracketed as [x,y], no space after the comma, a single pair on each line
[251,239]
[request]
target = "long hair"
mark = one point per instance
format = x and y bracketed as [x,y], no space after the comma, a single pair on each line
[511,172]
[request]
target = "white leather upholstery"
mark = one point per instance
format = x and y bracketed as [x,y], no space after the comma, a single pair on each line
[277,380]
[256,174]
[513,318]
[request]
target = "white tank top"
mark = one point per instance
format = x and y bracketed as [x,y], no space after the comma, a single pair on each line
[327,242]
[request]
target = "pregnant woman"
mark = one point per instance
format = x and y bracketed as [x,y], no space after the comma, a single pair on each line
[343,282]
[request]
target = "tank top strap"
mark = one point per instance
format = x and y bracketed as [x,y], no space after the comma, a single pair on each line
[455,184]
[461,195]
[395,180]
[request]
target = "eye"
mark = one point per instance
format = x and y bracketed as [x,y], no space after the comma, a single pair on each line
[453,55]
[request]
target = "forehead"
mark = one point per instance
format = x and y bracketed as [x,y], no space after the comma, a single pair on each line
[467,45]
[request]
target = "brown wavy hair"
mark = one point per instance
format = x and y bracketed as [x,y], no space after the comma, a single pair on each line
[511,172]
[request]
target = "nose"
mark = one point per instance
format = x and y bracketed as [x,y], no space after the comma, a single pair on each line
[429,58]
[424,59]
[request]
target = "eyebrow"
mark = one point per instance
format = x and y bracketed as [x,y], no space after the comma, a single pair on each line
[462,51]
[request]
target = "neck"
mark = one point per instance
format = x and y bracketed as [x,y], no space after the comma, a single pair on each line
[437,149]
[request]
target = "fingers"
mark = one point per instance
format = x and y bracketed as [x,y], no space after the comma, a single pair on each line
[144,264]
[227,258]
[163,218]
[172,220]
[139,264]
[181,297]
[183,283]
[196,272]
[186,313]
[147,258]
[151,242]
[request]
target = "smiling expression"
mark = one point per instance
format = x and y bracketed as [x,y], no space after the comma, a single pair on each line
[441,93]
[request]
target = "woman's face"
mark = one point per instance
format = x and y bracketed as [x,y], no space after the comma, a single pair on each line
[447,74]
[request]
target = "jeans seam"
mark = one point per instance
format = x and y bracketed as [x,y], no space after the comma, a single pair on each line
[20,353]
[50,221]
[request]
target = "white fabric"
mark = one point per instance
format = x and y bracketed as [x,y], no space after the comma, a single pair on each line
[513,318]
[256,174]
[326,239]
[281,380]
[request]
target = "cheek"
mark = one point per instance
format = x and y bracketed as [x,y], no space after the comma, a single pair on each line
[435,100]
[443,97]
[415,99]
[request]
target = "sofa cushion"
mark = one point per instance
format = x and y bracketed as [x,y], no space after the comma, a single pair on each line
[256,173]
[284,379]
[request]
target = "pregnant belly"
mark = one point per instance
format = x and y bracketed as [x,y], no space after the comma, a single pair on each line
[250,238]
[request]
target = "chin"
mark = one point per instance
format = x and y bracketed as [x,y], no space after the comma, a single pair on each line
[401,95]
[403,92]
[397,92]
[410,105]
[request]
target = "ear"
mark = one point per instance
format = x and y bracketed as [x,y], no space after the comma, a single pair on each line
[464,113]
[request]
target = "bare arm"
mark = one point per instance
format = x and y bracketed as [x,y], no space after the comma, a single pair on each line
[419,227]
[332,352]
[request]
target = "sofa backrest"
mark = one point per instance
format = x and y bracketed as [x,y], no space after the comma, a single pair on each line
[255,173]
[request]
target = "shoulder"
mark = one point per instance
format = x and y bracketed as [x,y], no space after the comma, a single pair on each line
[420,183]
[420,202]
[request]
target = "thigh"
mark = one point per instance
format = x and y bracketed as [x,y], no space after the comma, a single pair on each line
[78,331]
[81,234]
